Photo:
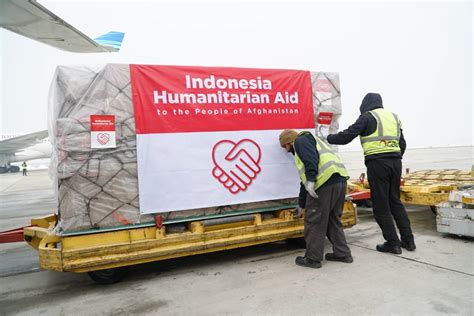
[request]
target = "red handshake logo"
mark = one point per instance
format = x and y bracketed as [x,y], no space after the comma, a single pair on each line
[103,138]
[236,164]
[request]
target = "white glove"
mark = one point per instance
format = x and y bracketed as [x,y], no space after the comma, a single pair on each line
[297,212]
[323,131]
[310,189]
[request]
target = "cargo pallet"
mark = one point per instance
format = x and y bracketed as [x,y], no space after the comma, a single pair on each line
[103,253]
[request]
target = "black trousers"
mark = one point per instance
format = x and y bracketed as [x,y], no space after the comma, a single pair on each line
[384,179]
[323,218]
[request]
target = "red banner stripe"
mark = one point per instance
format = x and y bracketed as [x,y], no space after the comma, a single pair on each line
[176,99]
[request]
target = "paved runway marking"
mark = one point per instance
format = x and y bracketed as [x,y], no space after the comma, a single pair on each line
[414,260]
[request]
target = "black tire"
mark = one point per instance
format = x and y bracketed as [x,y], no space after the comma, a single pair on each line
[108,276]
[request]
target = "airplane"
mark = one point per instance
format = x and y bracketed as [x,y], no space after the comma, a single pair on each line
[14,148]
[32,20]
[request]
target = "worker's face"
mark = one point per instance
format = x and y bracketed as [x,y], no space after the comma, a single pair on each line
[289,148]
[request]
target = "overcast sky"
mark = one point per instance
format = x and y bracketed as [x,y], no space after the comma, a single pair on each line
[418,56]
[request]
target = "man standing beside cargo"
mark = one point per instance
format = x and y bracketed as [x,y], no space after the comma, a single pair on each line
[383,143]
[322,193]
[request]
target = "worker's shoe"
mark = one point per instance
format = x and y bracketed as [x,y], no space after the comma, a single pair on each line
[386,247]
[333,257]
[307,262]
[409,245]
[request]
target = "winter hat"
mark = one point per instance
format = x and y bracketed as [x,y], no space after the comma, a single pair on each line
[287,136]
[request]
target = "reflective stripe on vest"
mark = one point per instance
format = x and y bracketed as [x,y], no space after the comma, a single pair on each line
[329,164]
[386,136]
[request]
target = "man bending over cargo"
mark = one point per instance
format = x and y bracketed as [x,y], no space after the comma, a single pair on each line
[322,194]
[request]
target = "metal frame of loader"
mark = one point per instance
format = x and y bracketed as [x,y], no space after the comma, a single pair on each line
[103,253]
[430,195]
[425,187]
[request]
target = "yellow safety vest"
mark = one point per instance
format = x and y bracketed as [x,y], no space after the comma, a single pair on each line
[386,137]
[329,163]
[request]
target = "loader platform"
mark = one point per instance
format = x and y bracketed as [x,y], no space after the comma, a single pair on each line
[92,251]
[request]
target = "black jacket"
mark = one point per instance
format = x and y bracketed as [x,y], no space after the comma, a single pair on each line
[365,125]
[305,147]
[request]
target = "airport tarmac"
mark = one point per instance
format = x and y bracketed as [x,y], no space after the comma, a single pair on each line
[437,278]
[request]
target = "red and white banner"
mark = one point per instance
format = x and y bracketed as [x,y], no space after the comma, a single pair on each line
[208,136]
[103,131]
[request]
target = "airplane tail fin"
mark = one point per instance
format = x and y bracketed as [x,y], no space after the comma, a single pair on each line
[111,39]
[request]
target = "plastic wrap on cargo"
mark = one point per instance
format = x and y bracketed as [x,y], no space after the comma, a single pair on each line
[327,96]
[98,188]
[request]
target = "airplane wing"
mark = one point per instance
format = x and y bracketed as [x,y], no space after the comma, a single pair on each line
[13,145]
[31,19]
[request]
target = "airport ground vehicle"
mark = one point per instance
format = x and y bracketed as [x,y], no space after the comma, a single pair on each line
[447,192]
[424,187]
[106,186]
[104,254]
[456,216]
[9,168]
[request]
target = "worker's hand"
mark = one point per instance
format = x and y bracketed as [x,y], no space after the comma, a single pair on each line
[297,212]
[323,131]
[310,189]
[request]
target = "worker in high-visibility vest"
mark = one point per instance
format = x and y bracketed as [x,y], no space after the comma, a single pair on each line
[383,143]
[322,194]
[24,168]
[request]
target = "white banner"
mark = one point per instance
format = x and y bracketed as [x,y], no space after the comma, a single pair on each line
[181,170]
